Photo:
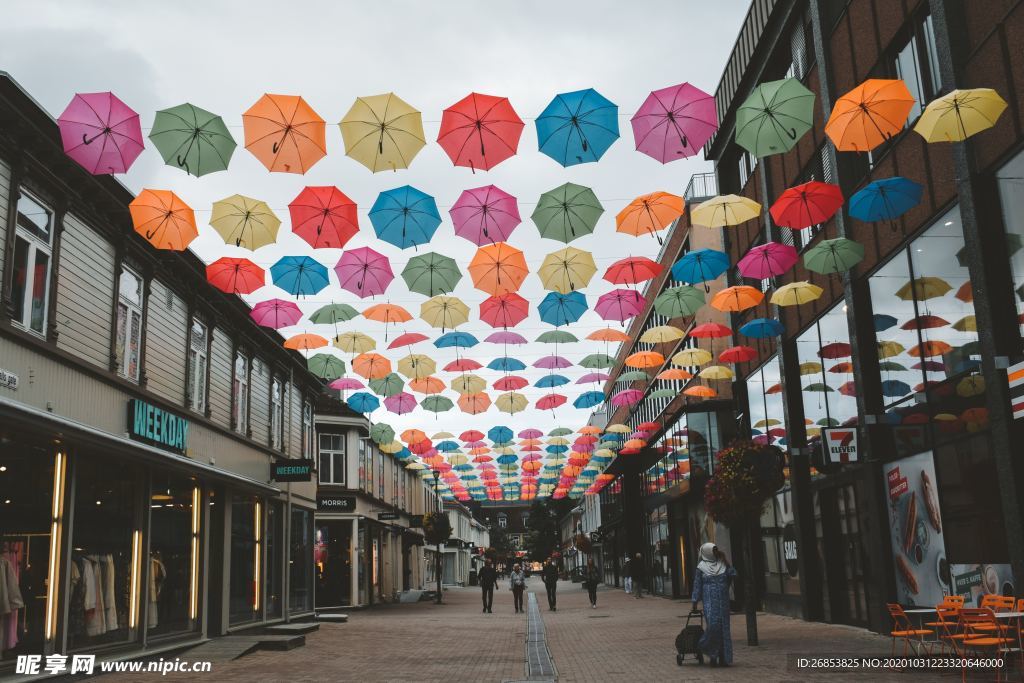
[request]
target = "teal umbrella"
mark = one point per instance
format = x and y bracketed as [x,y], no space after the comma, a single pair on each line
[388,385]
[774,117]
[326,365]
[676,302]
[382,433]
[567,212]
[431,274]
[192,139]
[834,256]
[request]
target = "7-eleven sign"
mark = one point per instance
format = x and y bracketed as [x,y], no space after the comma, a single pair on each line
[840,444]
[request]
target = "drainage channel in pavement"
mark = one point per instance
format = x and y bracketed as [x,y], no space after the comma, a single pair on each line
[539,666]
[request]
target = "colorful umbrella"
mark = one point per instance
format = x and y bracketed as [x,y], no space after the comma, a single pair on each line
[235,275]
[924,322]
[796,293]
[510,383]
[550,402]
[388,385]
[632,270]
[247,223]
[607,334]
[462,365]
[498,269]
[557,337]
[627,397]
[738,354]
[431,274]
[930,348]
[833,256]
[192,139]
[805,205]
[326,365]
[324,217]
[551,381]
[504,310]
[444,312]
[680,301]
[364,272]
[427,385]
[577,127]
[562,309]
[923,288]
[510,402]
[552,363]
[774,117]
[382,132]
[700,265]
[645,359]
[835,350]
[885,199]
[382,433]
[966,324]
[505,337]
[661,334]
[633,376]
[407,339]
[163,219]
[417,366]
[959,114]
[588,400]
[674,374]
[649,214]
[305,342]
[716,372]
[567,270]
[400,404]
[299,275]
[480,131]
[101,133]
[619,304]
[371,365]
[888,349]
[405,217]
[506,364]
[437,404]
[387,314]
[567,212]
[362,402]
[275,313]
[691,357]
[767,260]
[468,384]
[811,368]
[354,342]
[883,322]
[710,331]
[738,298]
[457,340]
[485,215]
[284,133]
[725,210]
[894,388]
[870,114]
[674,122]
[332,314]
[762,328]
[474,404]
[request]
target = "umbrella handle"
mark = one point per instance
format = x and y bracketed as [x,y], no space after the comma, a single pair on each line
[791,132]
[274,148]
[182,163]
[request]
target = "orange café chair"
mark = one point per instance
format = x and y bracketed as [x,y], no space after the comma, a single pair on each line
[997,603]
[946,625]
[913,638]
[952,601]
[982,623]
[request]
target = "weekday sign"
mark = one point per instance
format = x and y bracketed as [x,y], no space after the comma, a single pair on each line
[155,425]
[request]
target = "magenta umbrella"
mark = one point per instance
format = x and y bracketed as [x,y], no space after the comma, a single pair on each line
[275,313]
[101,133]
[583,447]
[552,363]
[346,383]
[400,403]
[505,337]
[593,377]
[485,215]
[550,402]
[531,434]
[619,304]
[767,260]
[674,122]
[627,397]
[364,272]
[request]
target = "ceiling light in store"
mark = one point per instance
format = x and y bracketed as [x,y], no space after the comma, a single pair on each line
[3,468]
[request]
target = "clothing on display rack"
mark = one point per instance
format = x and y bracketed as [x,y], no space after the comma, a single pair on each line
[94,604]
[157,575]
[11,599]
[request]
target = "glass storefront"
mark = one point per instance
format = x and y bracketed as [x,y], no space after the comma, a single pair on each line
[764,398]
[300,562]
[778,536]
[275,559]
[659,550]
[332,559]
[828,388]
[246,559]
[173,581]
[1010,180]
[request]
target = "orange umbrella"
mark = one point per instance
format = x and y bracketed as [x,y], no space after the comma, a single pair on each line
[649,214]
[738,298]
[930,348]
[498,269]
[700,391]
[387,313]
[634,443]
[474,404]
[284,133]
[870,114]
[607,334]
[371,365]
[413,436]
[675,373]
[163,219]
[589,429]
[645,359]
[427,385]
[532,466]
[305,342]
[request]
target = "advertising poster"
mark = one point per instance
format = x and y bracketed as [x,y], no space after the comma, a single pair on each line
[975,580]
[915,530]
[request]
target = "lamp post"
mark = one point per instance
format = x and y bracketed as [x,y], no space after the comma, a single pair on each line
[437,560]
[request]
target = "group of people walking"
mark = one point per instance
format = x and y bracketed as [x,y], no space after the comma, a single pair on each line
[488,580]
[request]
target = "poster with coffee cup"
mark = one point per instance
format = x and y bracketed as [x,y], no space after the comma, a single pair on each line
[915,521]
[976,580]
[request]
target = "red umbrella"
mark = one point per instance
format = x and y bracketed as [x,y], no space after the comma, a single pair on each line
[480,131]
[806,205]
[738,354]
[836,350]
[774,389]
[324,217]
[710,330]
[619,304]
[630,271]
[924,322]
[510,383]
[471,435]
[841,368]
[235,275]
[848,388]
[407,339]
[504,310]
[550,402]
[643,427]
[462,365]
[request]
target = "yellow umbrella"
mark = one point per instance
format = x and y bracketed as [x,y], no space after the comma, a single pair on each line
[511,402]
[382,132]
[355,342]
[392,447]
[558,441]
[966,324]
[810,368]
[457,459]
[417,366]
[504,450]
[445,312]
[971,386]
[245,222]
[888,349]
[725,210]
[469,384]
[958,115]
[617,428]
[691,357]
[769,422]
[923,288]
[567,270]
[795,293]
[443,435]
[415,466]
[661,334]
[716,372]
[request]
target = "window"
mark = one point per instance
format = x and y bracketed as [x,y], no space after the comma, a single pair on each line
[33,239]
[129,325]
[332,459]
[394,482]
[916,62]
[746,166]
[828,386]
[197,349]
[362,464]
[1011,195]
[277,414]
[798,46]
[240,394]
[502,520]
[380,472]
[307,430]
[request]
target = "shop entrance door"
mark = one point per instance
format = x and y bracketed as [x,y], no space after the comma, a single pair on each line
[840,537]
[332,552]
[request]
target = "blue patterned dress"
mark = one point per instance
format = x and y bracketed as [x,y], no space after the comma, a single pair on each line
[713,593]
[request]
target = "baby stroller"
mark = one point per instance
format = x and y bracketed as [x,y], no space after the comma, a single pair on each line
[686,641]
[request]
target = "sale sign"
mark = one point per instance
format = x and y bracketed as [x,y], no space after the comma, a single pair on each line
[897,484]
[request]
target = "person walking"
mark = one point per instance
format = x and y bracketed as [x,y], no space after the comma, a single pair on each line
[637,573]
[517,582]
[488,579]
[627,573]
[549,575]
[591,579]
[711,587]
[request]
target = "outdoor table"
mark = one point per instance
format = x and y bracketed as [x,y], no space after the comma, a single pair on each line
[921,612]
[1017,627]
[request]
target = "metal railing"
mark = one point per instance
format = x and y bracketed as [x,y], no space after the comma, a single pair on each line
[701,186]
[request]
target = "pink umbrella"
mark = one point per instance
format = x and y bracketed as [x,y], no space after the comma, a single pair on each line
[531,434]
[552,363]
[674,122]
[619,304]
[550,402]
[400,403]
[364,272]
[505,337]
[627,397]
[767,260]
[346,383]
[275,313]
[583,447]
[485,215]
[101,133]
[593,377]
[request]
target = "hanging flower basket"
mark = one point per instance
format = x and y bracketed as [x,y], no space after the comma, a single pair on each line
[436,527]
[746,474]
[583,544]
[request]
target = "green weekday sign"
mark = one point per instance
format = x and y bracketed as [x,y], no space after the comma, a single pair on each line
[156,426]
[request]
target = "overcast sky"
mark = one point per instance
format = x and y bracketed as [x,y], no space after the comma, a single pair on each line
[223,56]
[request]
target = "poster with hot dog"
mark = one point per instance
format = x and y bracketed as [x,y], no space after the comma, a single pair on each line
[915,521]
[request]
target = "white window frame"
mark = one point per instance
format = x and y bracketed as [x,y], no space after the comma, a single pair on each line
[129,311]
[240,394]
[328,475]
[198,360]
[277,413]
[35,244]
[308,437]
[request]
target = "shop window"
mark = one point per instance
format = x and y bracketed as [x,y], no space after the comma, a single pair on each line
[300,562]
[827,384]
[308,436]
[778,538]
[174,573]
[332,466]
[246,598]
[361,455]
[240,394]
[277,414]
[380,472]
[916,63]
[275,560]
[764,401]
[33,241]
[129,324]
[198,348]
[1010,179]
[333,560]
[502,520]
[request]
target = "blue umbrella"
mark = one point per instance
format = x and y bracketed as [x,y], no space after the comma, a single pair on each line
[549,381]
[700,265]
[762,328]
[886,199]
[589,399]
[577,127]
[362,402]
[405,216]
[883,321]
[499,433]
[458,339]
[506,459]
[562,309]
[299,275]
[894,388]
[557,449]
[507,364]
[447,446]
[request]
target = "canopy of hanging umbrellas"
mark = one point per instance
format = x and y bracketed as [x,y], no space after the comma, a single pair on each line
[385,314]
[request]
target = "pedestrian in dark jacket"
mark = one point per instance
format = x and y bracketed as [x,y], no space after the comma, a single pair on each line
[637,572]
[517,582]
[591,578]
[488,582]
[550,577]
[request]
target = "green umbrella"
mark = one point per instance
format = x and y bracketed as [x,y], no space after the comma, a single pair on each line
[557,337]
[560,431]
[676,302]
[818,386]
[437,404]
[325,365]
[382,433]
[891,366]
[633,376]
[597,361]
[388,385]
[827,422]
[663,393]
[192,139]
[834,256]
[774,117]
[567,212]
[332,314]
[431,274]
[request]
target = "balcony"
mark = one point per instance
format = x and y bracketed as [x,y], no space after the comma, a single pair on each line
[701,186]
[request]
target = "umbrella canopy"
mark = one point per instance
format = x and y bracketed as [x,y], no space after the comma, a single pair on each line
[691,357]
[510,383]
[923,288]
[885,199]
[649,214]
[163,219]
[661,334]
[725,210]
[674,374]
[417,366]
[645,359]
[388,385]
[474,404]
[462,340]
[324,217]
[674,122]
[427,385]
[444,312]
[235,275]
[700,391]
[597,361]
[504,310]
[382,433]
[627,397]
[762,328]
[738,354]
[632,270]
[930,348]
[299,275]
[485,215]
[468,384]
[607,334]
[305,342]
[431,274]
[833,256]
[550,402]
[326,365]
[567,212]
[795,293]
[332,314]
[371,365]
[710,331]
[245,222]
[405,217]
[382,132]
[480,131]
[835,350]
[883,322]
[958,115]
[738,298]
[562,309]
[841,368]
[577,127]
[275,313]
[894,388]
[364,272]
[387,313]
[101,133]
[619,304]
[498,268]
[552,363]
[870,114]
[505,337]
[567,270]
[700,265]
[401,403]
[806,205]
[284,133]
[633,376]
[716,372]
[192,139]
[811,368]
[676,302]
[362,402]
[462,365]
[924,322]
[588,399]
[767,260]
[774,117]
[437,404]
[407,339]
[511,402]
[550,381]
[355,342]
[888,349]
[966,324]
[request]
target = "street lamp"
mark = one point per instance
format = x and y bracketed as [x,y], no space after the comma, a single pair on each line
[437,560]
